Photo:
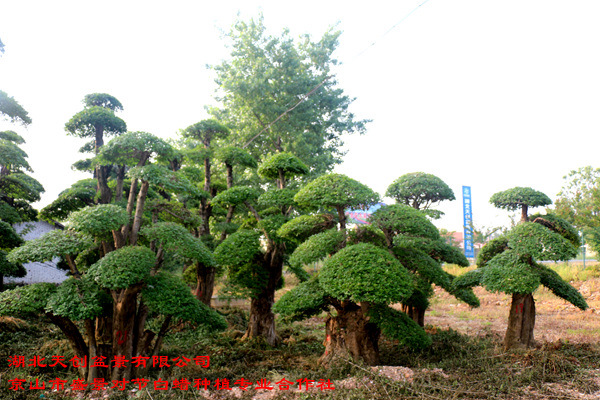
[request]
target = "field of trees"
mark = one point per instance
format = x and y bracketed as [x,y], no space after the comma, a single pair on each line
[222,264]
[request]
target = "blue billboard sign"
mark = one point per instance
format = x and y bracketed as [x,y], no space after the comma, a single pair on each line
[468,222]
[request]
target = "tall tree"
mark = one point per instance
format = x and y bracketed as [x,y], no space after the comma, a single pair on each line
[276,78]
[510,263]
[96,120]
[579,203]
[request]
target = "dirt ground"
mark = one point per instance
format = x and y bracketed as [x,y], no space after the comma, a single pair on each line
[555,318]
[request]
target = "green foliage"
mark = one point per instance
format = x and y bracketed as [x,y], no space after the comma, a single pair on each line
[11,269]
[84,123]
[304,301]
[239,248]
[102,100]
[317,247]
[515,198]
[337,191]
[8,236]
[560,288]
[509,273]
[27,300]
[231,155]
[13,158]
[165,179]
[78,299]
[558,225]
[491,249]
[55,243]
[12,110]
[403,221]
[579,203]
[81,194]
[9,214]
[206,130]
[235,196]
[20,186]
[271,224]
[176,239]
[277,198]
[539,242]
[363,272]
[420,190]
[289,164]
[443,252]
[304,226]
[427,268]
[265,76]
[123,267]
[168,295]
[366,234]
[397,325]
[131,147]
[98,220]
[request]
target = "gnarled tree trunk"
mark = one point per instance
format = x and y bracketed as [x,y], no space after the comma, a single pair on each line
[262,319]
[521,321]
[350,335]
[206,283]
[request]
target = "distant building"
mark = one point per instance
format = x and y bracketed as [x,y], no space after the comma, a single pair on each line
[39,271]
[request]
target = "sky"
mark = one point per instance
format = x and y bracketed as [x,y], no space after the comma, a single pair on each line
[488,94]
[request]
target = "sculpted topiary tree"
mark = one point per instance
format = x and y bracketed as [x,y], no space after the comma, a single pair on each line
[116,259]
[417,244]
[360,278]
[336,192]
[96,120]
[420,191]
[520,198]
[17,188]
[250,265]
[510,264]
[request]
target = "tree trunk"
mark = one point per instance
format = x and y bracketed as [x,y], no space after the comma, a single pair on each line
[262,319]
[350,335]
[521,321]
[206,283]
[139,211]
[415,313]
[102,175]
[524,217]
[71,332]
[124,312]
[120,181]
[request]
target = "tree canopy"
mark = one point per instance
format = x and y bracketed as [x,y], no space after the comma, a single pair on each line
[420,190]
[267,75]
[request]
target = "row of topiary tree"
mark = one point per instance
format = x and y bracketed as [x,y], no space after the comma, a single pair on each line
[159,217]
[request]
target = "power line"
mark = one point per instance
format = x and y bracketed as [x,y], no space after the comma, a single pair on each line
[305,97]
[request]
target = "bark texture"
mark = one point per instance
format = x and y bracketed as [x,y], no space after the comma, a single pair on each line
[350,335]
[206,283]
[521,321]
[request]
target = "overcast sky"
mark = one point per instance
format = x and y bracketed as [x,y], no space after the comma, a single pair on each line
[490,94]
